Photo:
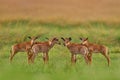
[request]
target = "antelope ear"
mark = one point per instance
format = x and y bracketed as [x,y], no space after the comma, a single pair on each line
[36,37]
[55,38]
[62,38]
[80,38]
[29,37]
[86,38]
[70,38]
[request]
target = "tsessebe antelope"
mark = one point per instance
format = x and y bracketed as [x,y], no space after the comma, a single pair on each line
[22,47]
[75,49]
[44,48]
[95,48]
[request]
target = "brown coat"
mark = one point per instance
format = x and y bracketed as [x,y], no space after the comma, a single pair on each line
[95,48]
[43,47]
[22,47]
[75,49]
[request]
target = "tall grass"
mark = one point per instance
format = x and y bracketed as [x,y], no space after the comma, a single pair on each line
[59,66]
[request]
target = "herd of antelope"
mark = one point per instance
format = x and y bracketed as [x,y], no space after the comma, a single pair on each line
[85,48]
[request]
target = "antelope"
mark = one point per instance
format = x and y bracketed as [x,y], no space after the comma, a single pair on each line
[43,47]
[22,47]
[75,49]
[95,48]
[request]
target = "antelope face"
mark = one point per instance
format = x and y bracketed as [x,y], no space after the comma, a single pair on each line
[66,41]
[32,39]
[55,41]
[84,40]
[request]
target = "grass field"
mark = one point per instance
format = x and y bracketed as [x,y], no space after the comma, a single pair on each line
[59,66]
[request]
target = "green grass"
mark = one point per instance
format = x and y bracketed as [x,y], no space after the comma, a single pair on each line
[59,66]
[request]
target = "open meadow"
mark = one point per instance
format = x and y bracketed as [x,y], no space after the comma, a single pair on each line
[59,66]
[99,20]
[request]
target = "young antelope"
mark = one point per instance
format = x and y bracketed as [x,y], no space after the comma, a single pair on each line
[43,47]
[22,47]
[75,49]
[95,48]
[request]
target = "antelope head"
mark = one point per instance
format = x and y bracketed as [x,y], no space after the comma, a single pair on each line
[84,40]
[66,41]
[54,41]
[32,39]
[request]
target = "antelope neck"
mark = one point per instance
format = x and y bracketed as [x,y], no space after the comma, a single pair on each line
[50,42]
[87,44]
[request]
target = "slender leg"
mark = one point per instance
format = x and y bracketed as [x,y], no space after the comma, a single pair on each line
[12,55]
[73,58]
[45,57]
[90,57]
[28,56]
[86,59]
[107,57]
[32,57]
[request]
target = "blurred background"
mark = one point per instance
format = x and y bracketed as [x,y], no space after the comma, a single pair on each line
[99,20]
[70,10]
